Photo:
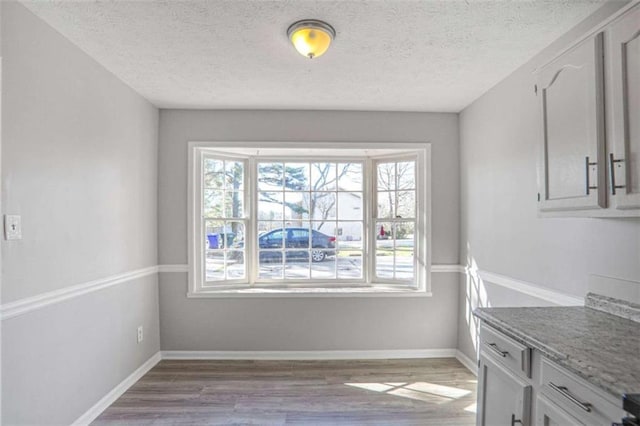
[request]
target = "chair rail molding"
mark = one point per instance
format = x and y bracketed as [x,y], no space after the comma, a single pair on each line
[28,304]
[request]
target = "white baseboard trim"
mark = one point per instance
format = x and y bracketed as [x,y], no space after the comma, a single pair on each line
[467,362]
[529,289]
[309,355]
[116,392]
[28,304]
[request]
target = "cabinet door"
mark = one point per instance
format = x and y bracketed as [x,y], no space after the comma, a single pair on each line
[623,54]
[503,398]
[549,414]
[572,170]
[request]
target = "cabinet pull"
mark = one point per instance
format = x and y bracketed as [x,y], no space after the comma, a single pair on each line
[497,350]
[612,173]
[587,163]
[514,420]
[565,392]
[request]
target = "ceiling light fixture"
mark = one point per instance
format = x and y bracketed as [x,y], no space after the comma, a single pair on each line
[311,37]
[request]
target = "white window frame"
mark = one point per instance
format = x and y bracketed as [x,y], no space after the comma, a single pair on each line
[368,153]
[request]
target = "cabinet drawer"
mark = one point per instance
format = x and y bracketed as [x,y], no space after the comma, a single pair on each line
[506,351]
[577,396]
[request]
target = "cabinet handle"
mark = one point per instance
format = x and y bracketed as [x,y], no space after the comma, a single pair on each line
[565,392]
[612,173]
[587,163]
[514,420]
[497,350]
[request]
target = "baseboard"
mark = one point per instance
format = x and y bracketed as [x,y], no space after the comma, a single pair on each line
[116,392]
[467,362]
[310,355]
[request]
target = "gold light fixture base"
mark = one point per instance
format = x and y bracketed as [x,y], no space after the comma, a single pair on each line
[311,37]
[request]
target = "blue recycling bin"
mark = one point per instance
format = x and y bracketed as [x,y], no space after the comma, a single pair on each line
[213,241]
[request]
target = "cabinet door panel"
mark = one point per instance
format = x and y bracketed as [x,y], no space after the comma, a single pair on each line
[624,58]
[502,396]
[548,414]
[572,166]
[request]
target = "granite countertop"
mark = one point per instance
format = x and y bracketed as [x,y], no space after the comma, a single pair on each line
[602,348]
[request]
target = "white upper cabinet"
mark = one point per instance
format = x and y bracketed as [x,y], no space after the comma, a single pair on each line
[590,123]
[623,59]
[572,166]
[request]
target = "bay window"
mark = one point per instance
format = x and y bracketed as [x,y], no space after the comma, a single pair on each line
[302,218]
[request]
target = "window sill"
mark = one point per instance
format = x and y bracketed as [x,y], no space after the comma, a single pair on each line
[378,291]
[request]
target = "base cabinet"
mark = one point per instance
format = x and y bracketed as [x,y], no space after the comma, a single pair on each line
[503,399]
[514,393]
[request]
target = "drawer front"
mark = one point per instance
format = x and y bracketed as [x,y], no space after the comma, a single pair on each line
[506,351]
[577,396]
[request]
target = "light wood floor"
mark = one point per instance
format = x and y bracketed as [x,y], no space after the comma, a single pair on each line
[381,392]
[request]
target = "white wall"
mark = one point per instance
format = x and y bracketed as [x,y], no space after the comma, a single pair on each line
[79,164]
[306,323]
[500,230]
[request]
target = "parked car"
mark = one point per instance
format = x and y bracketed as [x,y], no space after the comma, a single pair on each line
[322,245]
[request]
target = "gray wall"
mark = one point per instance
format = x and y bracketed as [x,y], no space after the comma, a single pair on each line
[500,230]
[79,163]
[306,323]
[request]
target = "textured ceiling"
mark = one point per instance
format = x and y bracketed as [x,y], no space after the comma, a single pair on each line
[388,55]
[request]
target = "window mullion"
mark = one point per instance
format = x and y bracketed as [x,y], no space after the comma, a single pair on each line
[252,235]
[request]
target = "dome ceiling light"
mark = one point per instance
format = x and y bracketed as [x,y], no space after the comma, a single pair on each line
[311,37]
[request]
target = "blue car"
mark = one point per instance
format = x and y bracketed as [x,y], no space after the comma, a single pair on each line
[270,244]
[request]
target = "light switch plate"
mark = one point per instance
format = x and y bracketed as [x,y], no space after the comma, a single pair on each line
[12,227]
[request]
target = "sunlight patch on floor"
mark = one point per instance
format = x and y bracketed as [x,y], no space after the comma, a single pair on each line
[421,391]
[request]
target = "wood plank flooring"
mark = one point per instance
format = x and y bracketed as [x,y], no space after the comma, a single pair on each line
[354,392]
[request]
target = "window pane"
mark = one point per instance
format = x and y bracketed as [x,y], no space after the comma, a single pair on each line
[384,250]
[386,204]
[270,265]
[296,176]
[234,171]
[234,204]
[350,205]
[323,263]
[323,176]
[323,205]
[296,206]
[235,265]
[212,230]
[406,204]
[405,249]
[214,265]
[386,176]
[350,176]
[212,203]
[349,264]
[233,235]
[349,235]
[213,173]
[298,237]
[270,176]
[406,175]
[270,205]
[272,239]
[296,264]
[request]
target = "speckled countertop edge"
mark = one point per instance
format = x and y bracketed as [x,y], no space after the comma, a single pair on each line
[574,363]
[617,307]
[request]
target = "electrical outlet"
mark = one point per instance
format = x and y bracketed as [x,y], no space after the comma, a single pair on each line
[12,227]
[140,334]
